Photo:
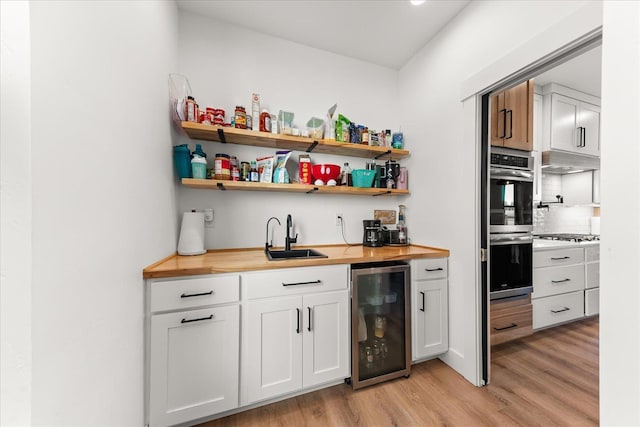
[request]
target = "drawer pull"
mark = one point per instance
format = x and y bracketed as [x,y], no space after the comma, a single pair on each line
[561,281]
[513,325]
[561,310]
[196,295]
[315,282]
[559,258]
[434,269]
[196,320]
[422,309]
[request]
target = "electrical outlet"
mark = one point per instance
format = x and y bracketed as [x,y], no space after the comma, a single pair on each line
[339,219]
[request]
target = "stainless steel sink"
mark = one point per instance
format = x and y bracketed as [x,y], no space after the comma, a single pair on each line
[293,254]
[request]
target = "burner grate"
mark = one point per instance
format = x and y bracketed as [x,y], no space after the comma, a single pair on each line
[569,237]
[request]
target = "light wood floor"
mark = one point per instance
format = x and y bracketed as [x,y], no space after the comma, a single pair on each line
[550,378]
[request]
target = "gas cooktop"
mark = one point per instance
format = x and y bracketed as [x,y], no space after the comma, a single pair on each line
[569,237]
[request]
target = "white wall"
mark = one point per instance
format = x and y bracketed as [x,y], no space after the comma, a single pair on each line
[15,216]
[224,65]
[446,165]
[620,245]
[103,201]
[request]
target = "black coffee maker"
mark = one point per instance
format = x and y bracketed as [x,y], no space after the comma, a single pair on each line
[372,233]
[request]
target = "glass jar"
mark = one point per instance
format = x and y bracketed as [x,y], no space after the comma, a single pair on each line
[240,117]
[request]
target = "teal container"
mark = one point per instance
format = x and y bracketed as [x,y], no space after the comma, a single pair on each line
[199,167]
[182,161]
[363,178]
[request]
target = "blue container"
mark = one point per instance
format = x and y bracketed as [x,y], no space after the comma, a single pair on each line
[182,161]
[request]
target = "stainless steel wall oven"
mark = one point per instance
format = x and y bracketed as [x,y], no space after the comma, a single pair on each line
[510,223]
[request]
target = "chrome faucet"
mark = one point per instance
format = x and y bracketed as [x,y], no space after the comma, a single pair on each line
[267,245]
[289,240]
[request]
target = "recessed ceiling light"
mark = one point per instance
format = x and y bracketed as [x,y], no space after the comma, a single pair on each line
[417,2]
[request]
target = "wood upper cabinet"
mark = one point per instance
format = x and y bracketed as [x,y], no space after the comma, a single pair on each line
[512,117]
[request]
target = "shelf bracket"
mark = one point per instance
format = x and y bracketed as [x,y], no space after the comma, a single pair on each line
[313,190]
[221,186]
[221,136]
[376,157]
[383,193]
[312,146]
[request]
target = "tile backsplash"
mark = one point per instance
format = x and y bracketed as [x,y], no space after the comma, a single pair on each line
[561,219]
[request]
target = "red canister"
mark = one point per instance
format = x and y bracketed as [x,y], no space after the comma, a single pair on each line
[218,116]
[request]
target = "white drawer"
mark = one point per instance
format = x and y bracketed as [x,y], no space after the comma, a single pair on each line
[194,292]
[557,309]
[593,275]
[592,253]
[557,280]
[591,302]
[294,281]
[549,258]
[427,269]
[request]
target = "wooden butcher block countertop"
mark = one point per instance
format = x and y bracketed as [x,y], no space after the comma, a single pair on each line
[238,260]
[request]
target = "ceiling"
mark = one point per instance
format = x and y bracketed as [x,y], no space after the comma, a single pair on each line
[583,73]
[383,32]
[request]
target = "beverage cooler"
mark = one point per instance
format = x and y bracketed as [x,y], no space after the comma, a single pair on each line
[381,323]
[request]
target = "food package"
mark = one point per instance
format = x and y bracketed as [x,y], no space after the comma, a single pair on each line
[342,128]
[255,110]
[305,169]
[315,127]
[281,175]
[265,168]
[285,122]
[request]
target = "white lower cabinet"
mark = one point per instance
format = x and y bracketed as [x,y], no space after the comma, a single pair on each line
[565,284]
[592,302]
[429,308]
[193,357]
[299,341]
[557,309]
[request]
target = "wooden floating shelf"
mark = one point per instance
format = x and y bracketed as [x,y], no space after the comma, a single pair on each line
[288,142]
[216,184]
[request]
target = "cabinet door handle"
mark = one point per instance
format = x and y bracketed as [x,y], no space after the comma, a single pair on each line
[510,112]
[579,143]
[513,325]
[314,282]
[310,312]
[298,320]
[422,293]
[561,310]
[504,123]
[559,258]
[561,281]
[584,137]
[196,320]
[196,295]
[434,269]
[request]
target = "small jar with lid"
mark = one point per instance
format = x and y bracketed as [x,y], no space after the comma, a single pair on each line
[240,117]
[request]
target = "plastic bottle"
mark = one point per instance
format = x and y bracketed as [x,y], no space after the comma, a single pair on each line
[265,121]
[346,175]
[199,167]
[199,151]
[253,172]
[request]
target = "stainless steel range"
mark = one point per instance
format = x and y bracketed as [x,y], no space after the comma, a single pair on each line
[569,237]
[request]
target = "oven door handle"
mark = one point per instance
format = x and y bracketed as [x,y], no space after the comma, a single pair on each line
[513,175]
[510,239]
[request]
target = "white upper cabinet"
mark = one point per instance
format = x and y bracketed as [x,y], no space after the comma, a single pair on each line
[571,121]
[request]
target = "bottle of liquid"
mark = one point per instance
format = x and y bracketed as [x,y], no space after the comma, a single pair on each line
[253,172]
[402,228]
[346,175]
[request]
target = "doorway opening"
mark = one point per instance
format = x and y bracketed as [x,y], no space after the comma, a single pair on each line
[577,68]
